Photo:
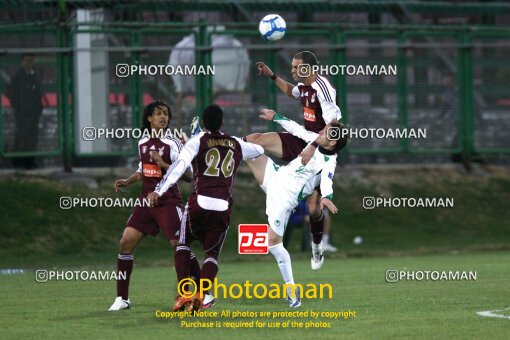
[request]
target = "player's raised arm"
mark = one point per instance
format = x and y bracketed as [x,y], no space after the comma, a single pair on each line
[328,171]
[330,112]
[284,86]
[326,96]
[178,168]
[289,125]
[249,150]
[175,150]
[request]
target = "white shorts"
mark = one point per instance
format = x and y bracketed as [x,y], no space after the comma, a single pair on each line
[279,200]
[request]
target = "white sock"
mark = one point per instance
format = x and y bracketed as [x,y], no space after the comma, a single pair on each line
[283,259]
[325,238]
[317,246]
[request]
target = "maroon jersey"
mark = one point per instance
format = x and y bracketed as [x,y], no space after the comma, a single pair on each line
[215,165]
[319,103]
[168,149]
[215,158]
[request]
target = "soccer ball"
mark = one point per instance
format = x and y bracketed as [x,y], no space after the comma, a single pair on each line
[357,240]
[272,27]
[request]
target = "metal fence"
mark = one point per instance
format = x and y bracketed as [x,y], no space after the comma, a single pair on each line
[452,81]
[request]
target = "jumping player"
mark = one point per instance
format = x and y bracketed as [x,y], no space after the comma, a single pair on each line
[286,185]
[156,155]
[215,157]
[318,99]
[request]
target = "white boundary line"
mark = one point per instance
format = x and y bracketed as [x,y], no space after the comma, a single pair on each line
[492,313]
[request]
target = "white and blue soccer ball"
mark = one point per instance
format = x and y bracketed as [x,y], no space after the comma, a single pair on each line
[272,27]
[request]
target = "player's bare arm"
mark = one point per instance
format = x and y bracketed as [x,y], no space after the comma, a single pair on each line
[122,183]
[284,86]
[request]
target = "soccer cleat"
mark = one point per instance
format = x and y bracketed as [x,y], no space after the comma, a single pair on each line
[195,305]
[329,247]
[194,127]
[208,302]
[296,301]
[317,256]
[181,303]
[119,304]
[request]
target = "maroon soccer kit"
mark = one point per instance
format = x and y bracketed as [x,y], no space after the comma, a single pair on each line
[215,157]
[319,108]
[166,215]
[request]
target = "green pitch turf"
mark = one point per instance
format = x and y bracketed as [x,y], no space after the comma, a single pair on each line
[411,309]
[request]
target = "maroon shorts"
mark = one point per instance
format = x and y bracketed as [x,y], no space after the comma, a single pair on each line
[208,226]
[149,220]
[291,146]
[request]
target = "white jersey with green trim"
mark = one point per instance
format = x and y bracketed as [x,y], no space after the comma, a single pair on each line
[295,176]
[321,168]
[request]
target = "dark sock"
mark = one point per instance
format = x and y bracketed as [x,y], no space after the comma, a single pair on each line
[182,261]
[209,269]
[317,228]
[124,265]
[194,268]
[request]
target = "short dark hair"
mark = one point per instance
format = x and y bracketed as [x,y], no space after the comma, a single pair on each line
[307,57]
[213,117]
[148,110]
[342,141]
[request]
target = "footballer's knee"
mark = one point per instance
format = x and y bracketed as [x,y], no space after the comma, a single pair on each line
[252,138]
[126,246]
[314,209]
[174,243]
[274,239]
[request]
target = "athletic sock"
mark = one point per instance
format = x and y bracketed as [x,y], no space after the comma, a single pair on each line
[283,259]
[209,269]
[325,238]
[194,267]
[124,265]
[182,261]
[317,228]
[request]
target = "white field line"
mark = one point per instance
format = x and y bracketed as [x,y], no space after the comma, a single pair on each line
[493,313]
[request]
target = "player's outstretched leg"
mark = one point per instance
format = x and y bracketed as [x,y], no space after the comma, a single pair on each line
[317,229]
[270,141]
[283,260]
[258,167]
[128,243]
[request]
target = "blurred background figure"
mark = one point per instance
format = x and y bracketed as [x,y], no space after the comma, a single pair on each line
[299,219]
[24,94]
[448,100]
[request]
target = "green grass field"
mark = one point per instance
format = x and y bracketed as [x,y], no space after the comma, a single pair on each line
[409,309]
[472,236]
